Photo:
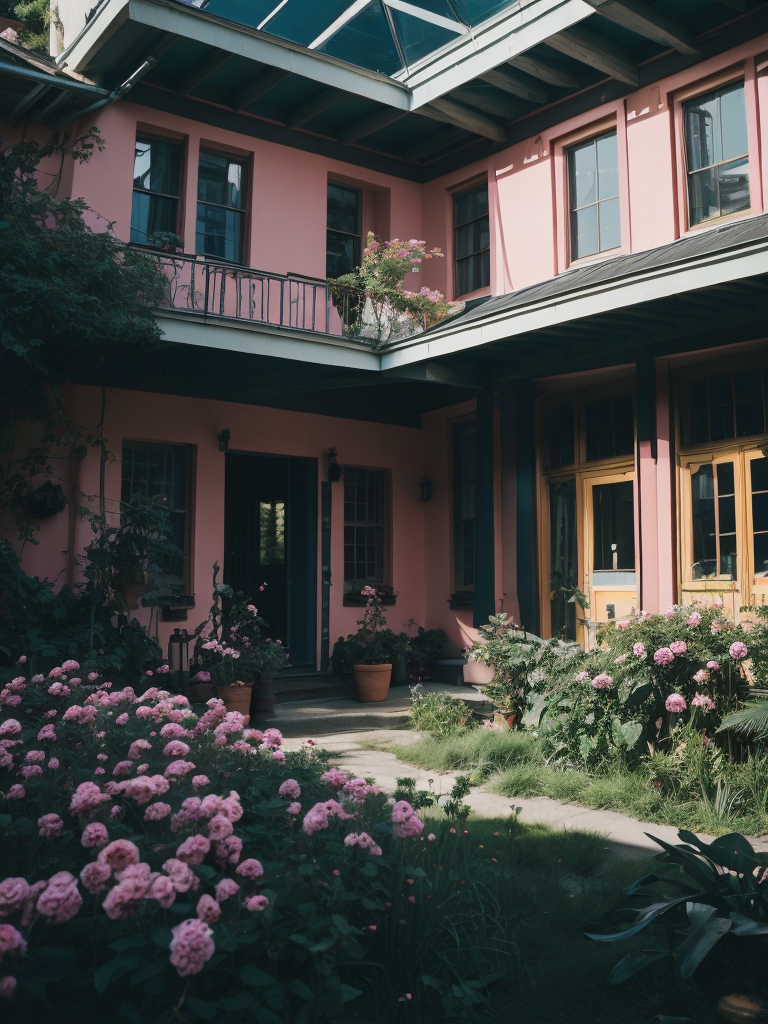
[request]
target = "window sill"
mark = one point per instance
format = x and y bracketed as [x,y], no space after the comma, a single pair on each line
[596,257]
[462,600]
[717,222]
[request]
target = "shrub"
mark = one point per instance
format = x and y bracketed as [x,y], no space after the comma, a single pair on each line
[162,861]
[438,713]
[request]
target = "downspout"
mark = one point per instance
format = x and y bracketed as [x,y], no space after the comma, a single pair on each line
[117,93]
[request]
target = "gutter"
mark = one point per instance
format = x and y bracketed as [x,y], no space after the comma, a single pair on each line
[116,94]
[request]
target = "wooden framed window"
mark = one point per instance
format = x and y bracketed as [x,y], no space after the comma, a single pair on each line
[156,190]
[366,528]
[343,239]
[464,495]
[723,405]
[716,154]
[608,427]
[471,240]
[221,206]
[161,472]
[559,430]
[593,191]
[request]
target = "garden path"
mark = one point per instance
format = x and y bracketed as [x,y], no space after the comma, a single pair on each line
[361,753]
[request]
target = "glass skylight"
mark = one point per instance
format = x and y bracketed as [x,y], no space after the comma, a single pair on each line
[380,35]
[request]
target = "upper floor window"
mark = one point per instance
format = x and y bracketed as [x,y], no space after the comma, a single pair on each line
[472,240]
[366,527]
[159,472]
[723,405]
[609,427]
[221,203]
[156,190]
[559,445]
[343,240]
[593,191]
[717,158]
[464,489]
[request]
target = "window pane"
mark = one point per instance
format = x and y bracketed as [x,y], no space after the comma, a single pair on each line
[759,470]
[220,181]
[582,174]
[584,236]
[703,523]
[702,131]
[343,209]
[152,214]
[610,227]
[721,407]
[158,472]
[607,166]
[761,555]
[470,205]
[473,272]
[560,431]
[271,533]
[734,121]
[364,529]
[760,511]
[749,402]
[563,559]
[219,232]
[342,254]
[614,525]
[156,166]
[733,182]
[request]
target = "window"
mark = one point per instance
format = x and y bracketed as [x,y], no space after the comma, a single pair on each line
[366,542]
[609,427]
[713,509]
[723,406]
[160,472]
[464,488]
[343,238]
[156,177]
[593,189]
[472,240]
[221,184]
[559,449]
[717,160]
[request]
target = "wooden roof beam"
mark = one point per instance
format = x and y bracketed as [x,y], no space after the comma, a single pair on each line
[202,71]
[506,80]
[590,48]
[464,117]
[368,125]
[258,87]
[499,106]
[638,16]
[545,71]
[314,105]
[434,142]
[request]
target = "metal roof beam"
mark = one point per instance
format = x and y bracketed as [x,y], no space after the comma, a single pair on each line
[465,117]
[313,106]
[202,71]
[590,48]
[368,125]
[545,71]
[638,16]
[508,81]
[258,87]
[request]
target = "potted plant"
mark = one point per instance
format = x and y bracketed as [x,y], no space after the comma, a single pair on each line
[232,653]
[376,644]
[424,649]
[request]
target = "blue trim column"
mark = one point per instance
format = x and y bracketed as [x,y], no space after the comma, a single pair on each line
[485,582]
[527,563]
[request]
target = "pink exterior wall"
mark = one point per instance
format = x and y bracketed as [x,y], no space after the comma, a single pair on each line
[172,419]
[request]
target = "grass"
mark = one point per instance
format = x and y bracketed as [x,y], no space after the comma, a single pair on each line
[550,888]
[511,763]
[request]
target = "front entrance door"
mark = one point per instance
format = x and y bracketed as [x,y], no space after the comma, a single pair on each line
[270,538]
[610,577]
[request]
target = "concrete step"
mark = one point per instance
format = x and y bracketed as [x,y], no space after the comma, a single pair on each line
[310,685]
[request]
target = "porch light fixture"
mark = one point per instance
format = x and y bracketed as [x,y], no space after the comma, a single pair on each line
[178,655]
[334,469]
[223,440]
[425,489]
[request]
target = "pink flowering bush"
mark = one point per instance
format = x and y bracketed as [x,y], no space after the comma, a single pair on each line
[209,886]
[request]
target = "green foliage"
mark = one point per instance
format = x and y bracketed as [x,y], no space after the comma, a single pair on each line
[373,643]
[706,906]
[751,720]
[34,16]
[73,298]
[439,713]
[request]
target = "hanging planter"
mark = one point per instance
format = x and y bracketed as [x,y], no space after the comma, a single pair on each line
[372,682]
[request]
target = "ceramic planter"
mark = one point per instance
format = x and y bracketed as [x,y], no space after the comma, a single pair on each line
[237,698]
[372,682]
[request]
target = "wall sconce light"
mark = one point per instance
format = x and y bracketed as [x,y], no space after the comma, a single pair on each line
[223,440]
[425,489]
[334,469]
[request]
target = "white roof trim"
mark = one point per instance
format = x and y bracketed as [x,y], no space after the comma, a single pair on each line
[271,14]
[336,26]
[433,19]
[658,283]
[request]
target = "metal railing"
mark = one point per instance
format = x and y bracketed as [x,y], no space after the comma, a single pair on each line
[205,287]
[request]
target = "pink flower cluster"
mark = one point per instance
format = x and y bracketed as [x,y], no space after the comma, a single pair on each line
[192,946]
[602,682]
[318,817]
[364,841]
[702,700]
[405,823]
[664,656]
[738,650]
[675,703]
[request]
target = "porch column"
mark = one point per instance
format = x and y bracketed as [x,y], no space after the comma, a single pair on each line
[508,461]
[665,489]
[647,453]
[485,584]
[527,566]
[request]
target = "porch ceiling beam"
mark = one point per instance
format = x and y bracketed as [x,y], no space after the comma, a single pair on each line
[638,16]
[545,71]
[368,125]
[439,373]
[508,81]
[487,102]
[313,106]
[258,87]
[434,142]
[586,46]
[465,117]
[202,71]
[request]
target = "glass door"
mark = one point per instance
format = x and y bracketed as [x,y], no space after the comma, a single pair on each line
[610,577]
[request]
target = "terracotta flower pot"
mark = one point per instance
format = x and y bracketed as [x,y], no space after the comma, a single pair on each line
[372,682]
[237,698]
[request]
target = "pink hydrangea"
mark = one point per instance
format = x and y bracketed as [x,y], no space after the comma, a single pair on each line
[136,748]
[738,650]
[163,890]
[122,719]
[199,781]
[713,666]
[16,792]
[219,827]
[602,682]
[181,875]
[405,823]
[294,808]
[250,868]
[10,727]
[678,647]
[693,620]
[122,767]
[290,790]
[582,677]
[702,676]
[35,755]
[317,817]
[702,700]
[226,888]
[30,771]
[675,703]
[7,986]
[119,854]
[60,900]
[334,777]
[208,910]
[192,946]
[53,764]
[174,731]
[364,841]
[157,811]
[256,903]
[11,940]
[50,826]
[14,893]
[278,755]
[94,834]
[228,850]
[178,769]
[621,659]
[70,666]
[47,733]
[273,737]
[176,748]
[664,656]
[194,849]
[95,877]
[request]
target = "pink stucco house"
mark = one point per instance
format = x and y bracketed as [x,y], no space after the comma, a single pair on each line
[595,420]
